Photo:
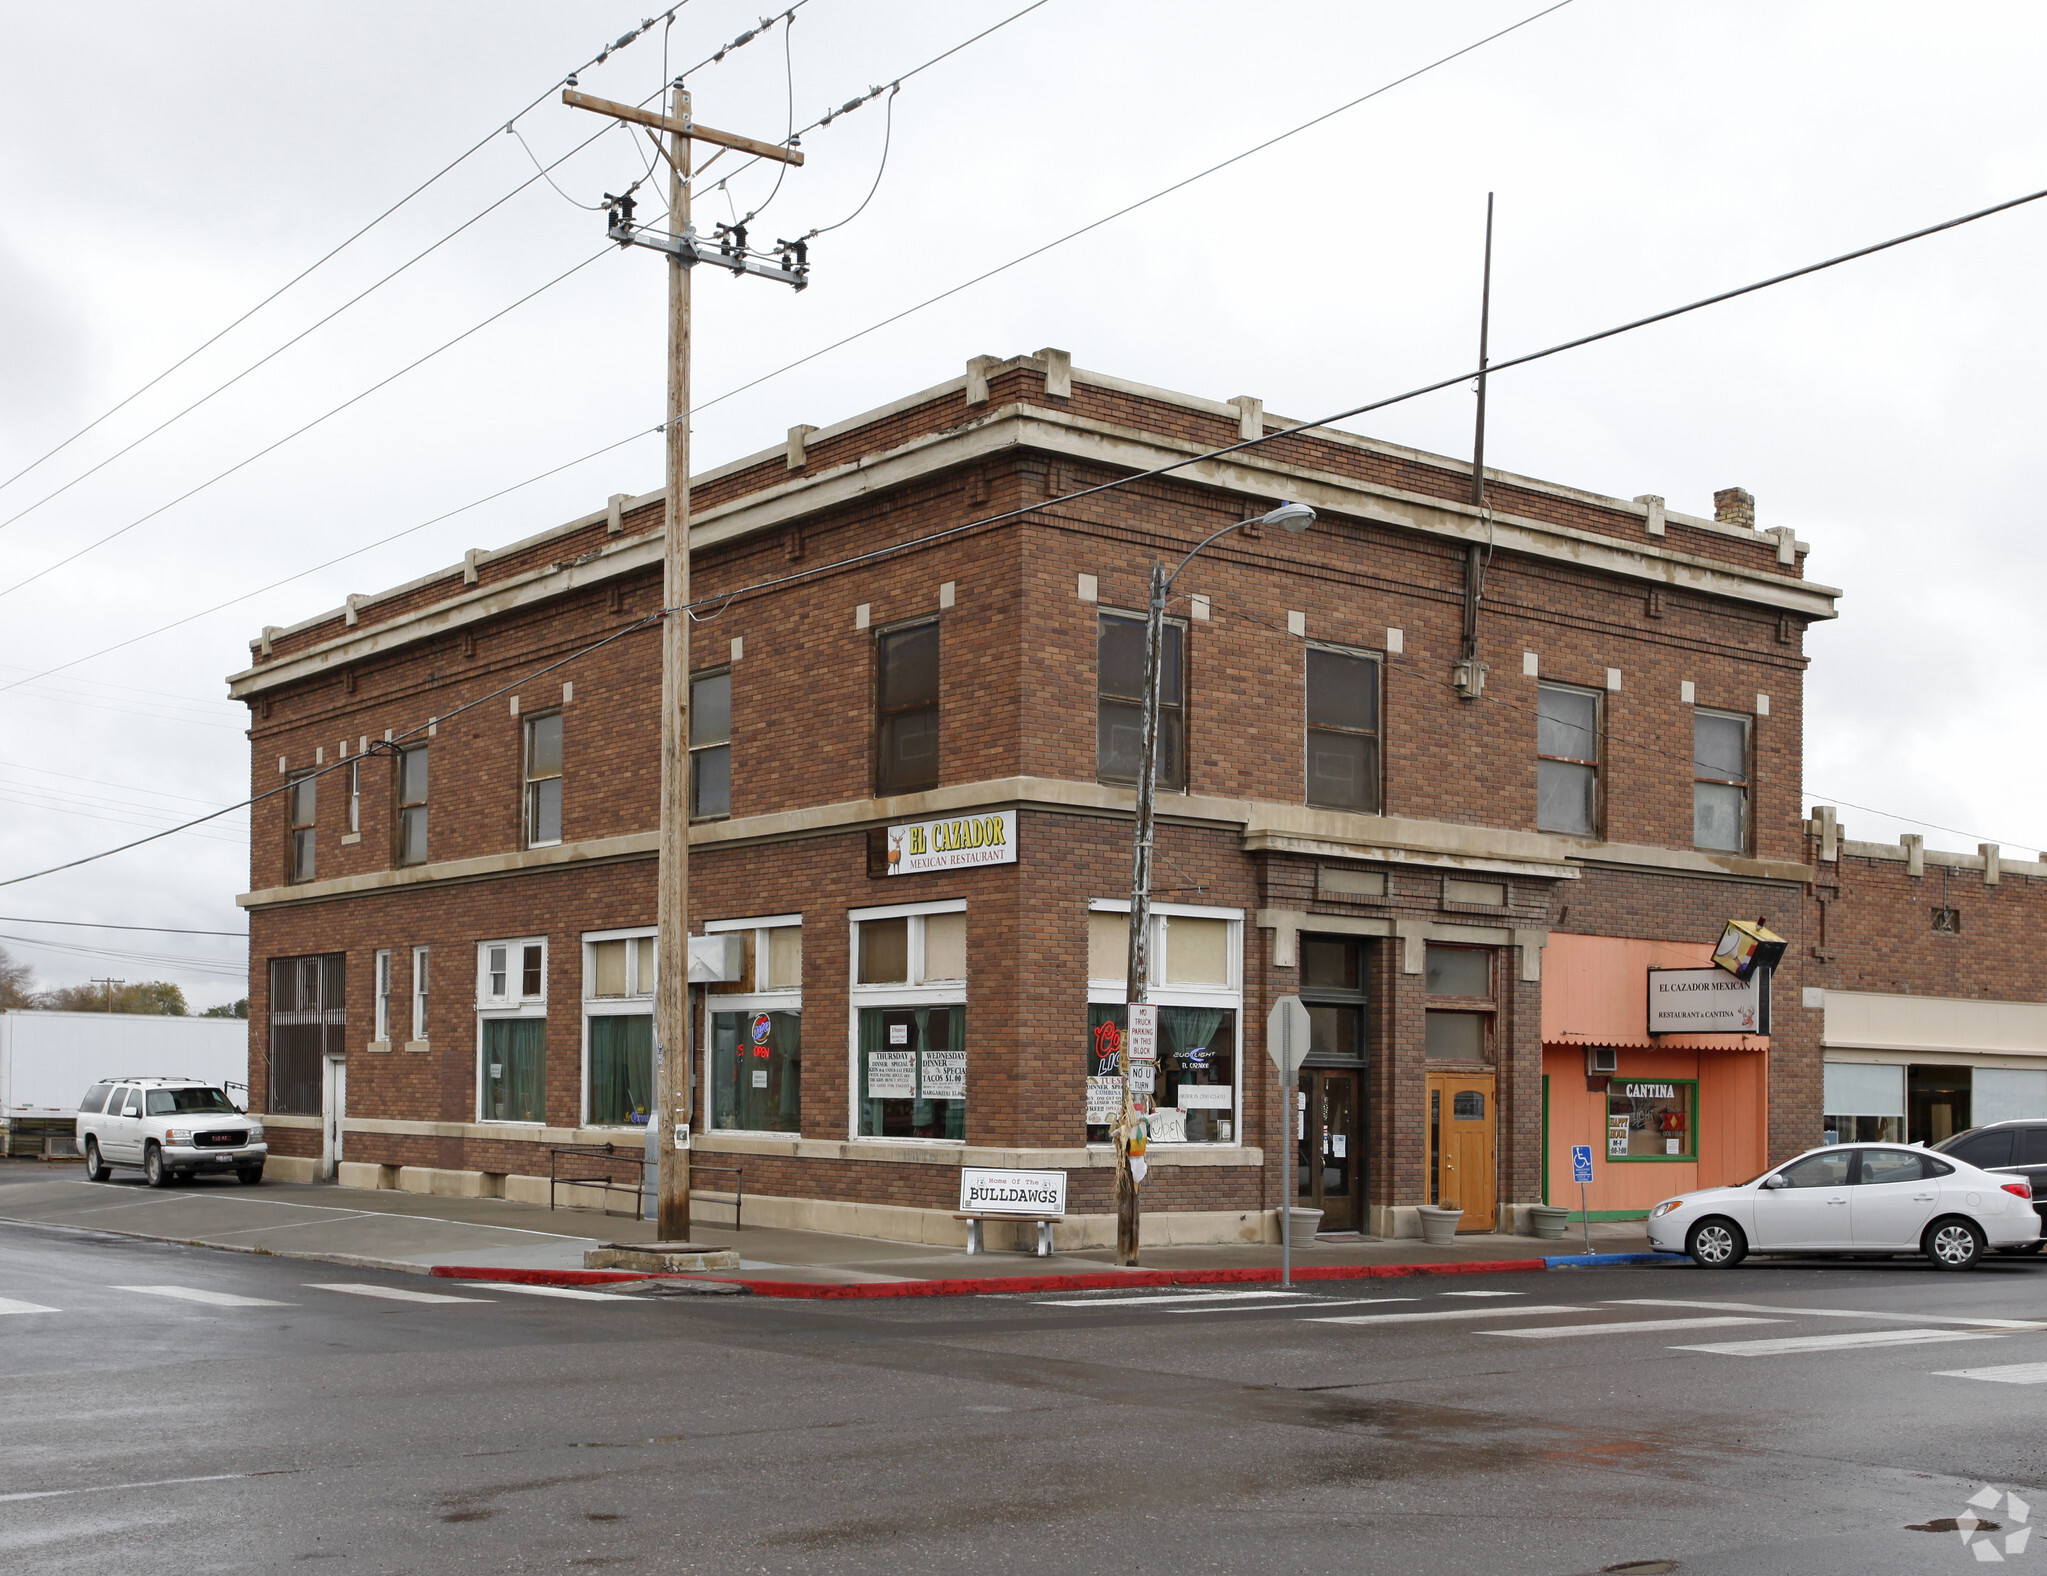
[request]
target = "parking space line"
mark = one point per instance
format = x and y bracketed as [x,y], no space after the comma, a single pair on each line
[574,1293]
[2011,1373]
[1457,1313]
[9,1305]
[217,1299]
[1548,1332]
[1846,1341]
[389,1293]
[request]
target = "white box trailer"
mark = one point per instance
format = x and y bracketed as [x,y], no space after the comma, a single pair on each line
[49,1059]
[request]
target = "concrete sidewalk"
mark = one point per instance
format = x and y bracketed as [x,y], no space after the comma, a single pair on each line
[414,1231]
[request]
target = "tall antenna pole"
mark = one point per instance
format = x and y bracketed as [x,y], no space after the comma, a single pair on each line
[1470,675]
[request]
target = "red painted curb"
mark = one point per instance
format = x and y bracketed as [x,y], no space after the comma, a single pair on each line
[1000,1285]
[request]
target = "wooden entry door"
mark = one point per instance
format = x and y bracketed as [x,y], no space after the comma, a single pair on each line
[1461,1149]
[1330,1157]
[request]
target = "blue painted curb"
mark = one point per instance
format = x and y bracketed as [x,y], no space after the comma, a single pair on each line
[1588,1261]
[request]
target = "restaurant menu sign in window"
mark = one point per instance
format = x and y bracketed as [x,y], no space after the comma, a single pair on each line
[1708,1001]
[952,843]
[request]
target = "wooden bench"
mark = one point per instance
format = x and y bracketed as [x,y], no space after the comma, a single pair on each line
[1042,1222]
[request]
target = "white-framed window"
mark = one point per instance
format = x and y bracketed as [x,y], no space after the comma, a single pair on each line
[544,780]
[753,1030]
[419,993]
[354,796]
[511,1030]
[383,1016]
[1197,983]
[909,1021]
[618,1027]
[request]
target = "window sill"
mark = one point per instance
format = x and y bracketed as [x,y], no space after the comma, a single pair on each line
[418,1047]
[555,842]
[379,1047]
[350,838]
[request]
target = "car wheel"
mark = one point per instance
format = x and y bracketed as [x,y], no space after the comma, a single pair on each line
[249,1176]
[1716,1244]
[1952,1244]
[154,1171]
[96,1169]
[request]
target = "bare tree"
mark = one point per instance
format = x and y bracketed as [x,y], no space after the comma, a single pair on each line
[17,982]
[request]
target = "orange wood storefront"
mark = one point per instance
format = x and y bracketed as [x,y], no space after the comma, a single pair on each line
[1704,1097]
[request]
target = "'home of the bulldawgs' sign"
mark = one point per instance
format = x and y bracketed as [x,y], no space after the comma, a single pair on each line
[952,843]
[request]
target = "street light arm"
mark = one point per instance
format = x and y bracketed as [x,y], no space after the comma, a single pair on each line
[1294,517]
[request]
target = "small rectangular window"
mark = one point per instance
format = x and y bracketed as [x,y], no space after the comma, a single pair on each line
[710,746]
[785,958]
[303,800]
[544,780]
[1459,971]
[1720,781]
[1119,703]
[884,952]
[906,710]
[419,993]
[500,979]
[382,1030]
[354,796]
[532,971]
[643,980]
[1343,730]
[1567,760]
[412,782]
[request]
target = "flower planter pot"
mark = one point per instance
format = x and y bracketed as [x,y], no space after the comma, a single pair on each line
[1550,1220]
[1439,1225]
[1302,1224]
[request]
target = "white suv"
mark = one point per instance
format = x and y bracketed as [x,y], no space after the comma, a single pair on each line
[171,1127]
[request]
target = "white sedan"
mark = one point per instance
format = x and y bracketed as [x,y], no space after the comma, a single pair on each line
[1853,1198]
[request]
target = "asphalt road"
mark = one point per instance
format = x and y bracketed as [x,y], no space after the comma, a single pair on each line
[173,1408]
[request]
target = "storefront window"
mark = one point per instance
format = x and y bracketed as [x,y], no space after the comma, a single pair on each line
[514,1069]
[913,1072]
[1864,1103]
[618,1027]
[753,1031]
[1194,1086]
[757,1071]
[1652,1120]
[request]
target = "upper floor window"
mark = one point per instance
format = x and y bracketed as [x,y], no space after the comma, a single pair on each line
[1567,760]
[412,805]
[710,745]
[354,797]
[1343,730]
[419,993]
[302,798]
[906,709]
[1119,702]
[544,780]
[1720,781]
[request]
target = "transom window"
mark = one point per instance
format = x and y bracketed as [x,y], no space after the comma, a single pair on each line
[1458,1022]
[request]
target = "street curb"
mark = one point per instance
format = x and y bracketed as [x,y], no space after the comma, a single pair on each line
[1591,1261]
[1001,1285]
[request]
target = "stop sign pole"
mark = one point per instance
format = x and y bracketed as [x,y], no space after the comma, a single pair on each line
[1286,1042]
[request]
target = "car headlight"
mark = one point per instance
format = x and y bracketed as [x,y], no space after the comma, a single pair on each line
[255,1133]
[177,1135]
[1664,1208]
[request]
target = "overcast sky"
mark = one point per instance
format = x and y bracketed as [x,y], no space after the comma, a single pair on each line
[168,167]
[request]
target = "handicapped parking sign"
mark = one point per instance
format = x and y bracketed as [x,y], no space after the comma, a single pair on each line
[1581,1162]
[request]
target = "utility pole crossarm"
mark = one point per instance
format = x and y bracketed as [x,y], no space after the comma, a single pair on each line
[682,128]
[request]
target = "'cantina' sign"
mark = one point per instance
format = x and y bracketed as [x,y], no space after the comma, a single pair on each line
[952,844]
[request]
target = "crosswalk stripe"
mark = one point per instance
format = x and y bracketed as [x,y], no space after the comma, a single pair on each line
[1192,1296]
[390,1293]
[1456,1313]
[1300,1307]
[1485,1294]
[2012,1373]
[1546,1332]
[573,1292]
[1829,1313]
[1842,1342]
[9,1305]
[218,1299]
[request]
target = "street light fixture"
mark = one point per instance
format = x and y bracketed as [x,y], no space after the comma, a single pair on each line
[1292,518]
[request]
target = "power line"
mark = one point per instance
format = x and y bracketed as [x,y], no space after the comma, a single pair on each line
[87,924]
[299,431]
[159,960]
[419,728]
[1096,224]
[323,260]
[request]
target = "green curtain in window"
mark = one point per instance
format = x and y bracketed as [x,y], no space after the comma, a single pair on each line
[1188,1028]
[517,1047]
[871,1032]
[956,1042]
[621,1068]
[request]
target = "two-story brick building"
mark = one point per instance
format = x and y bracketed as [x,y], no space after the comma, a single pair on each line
[911,780]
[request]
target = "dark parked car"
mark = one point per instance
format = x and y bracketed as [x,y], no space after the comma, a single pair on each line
[2019,1147]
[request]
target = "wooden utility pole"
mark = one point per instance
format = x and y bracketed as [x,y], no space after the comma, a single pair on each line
[672,1102]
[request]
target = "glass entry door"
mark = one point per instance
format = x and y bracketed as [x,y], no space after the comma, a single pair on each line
[1329,1156]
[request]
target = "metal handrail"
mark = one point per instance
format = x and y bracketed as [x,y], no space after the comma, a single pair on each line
[636,1158]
